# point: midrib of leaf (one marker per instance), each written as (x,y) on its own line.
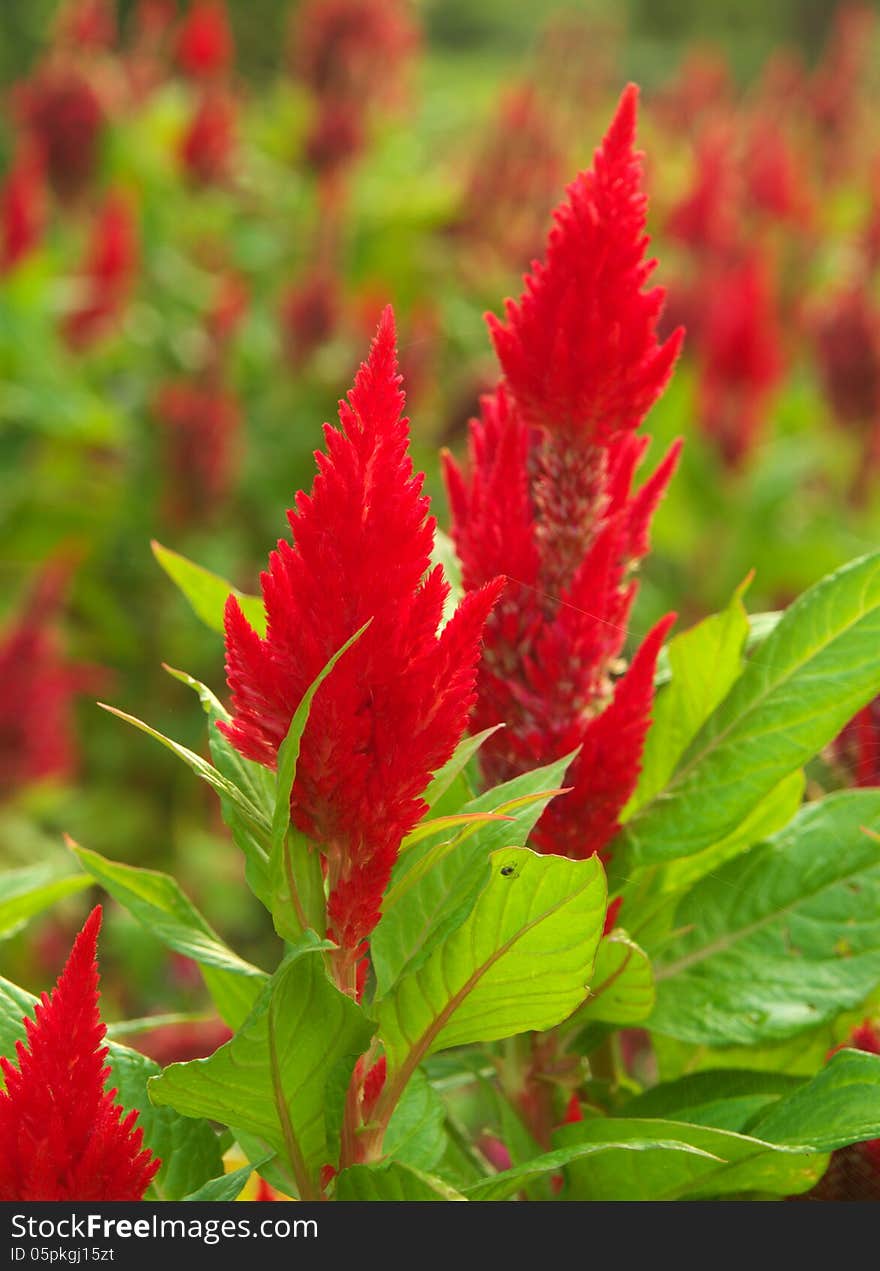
(719,738)
(727,1166)
(727,941)
(422,1045)
(291,1143)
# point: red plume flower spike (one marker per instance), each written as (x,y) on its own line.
(64,1137)
(108,274)
(204,43)
(549,501)
(22,208)
(397,703)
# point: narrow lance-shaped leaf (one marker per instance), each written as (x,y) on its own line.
(206,592)
(28,891)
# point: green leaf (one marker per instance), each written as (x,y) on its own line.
(743,1165)
(189,1150)
(445,776)
(725,1098)
(159,905)
(841,1105)
(521,960)
(506,1184)
(29,891)
(207,593)
(781,939)
(255,782)
(812,673)
(436,884)
(623,983)
(392,1181)
(294,864)
(703,664)
(270,1078)
(416,1135)
(226,1187)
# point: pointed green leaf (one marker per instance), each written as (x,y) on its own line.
(207,593)
(623,984)
(159,905)
(703,664)
(812,673)
(841,1105)
(445,776)
(742,1165)
(227,1186)
(521,960)
(270,1078)
(725,1098)
(28,891)
(781,939)
(416,1133)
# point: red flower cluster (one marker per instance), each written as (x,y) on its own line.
(108,273)
(847,331)
(856,749)
(63,117)
(82,24)
(208,142)
(22,208)
(63,1136)
(201,421)
(309,315)
(396,705)
(204,42)
(350,55)
(549,502)
(39,687)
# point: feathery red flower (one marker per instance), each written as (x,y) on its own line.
(208,143)
(396,705)
(64,118)
(309,315)
(108,273)
(856,748)
(64,1137)
(740,356)
(201,423)
(549,502)
(22,208)
(204,43)
(37,739)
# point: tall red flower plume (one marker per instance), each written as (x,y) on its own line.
(549,502)
(309,315)
(86,24)
(22,208)
(64,1137)
(108,273)
(579,350)
(64,118)
(740,356)
(204,43)
(201,423)
(208,143)
(395,706)
(37,739)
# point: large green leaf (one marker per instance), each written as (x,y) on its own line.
(392,1181)
(28,891)
(521,960)
(207,592)
(725,1098)
(742,1165)
(159,905)
(270,1079)
(507,1183)
(416,1133)
(703,664)
(436,883)
(811,674)
(840,1105)
(189,1150)
(781,939)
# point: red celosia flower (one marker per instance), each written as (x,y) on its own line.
(706,218)
(208,143)
(229,308)
(178,1043)
(22,208)
(702,85)
(107,275)
(204,43)
(774,178)
(335,137)
(63,1136)
(65,119)
(740,356)
(856,749)
(37,739)
(395,706)
(847,332)
(84,24)
(549,502)
(201,423)
(309,315)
